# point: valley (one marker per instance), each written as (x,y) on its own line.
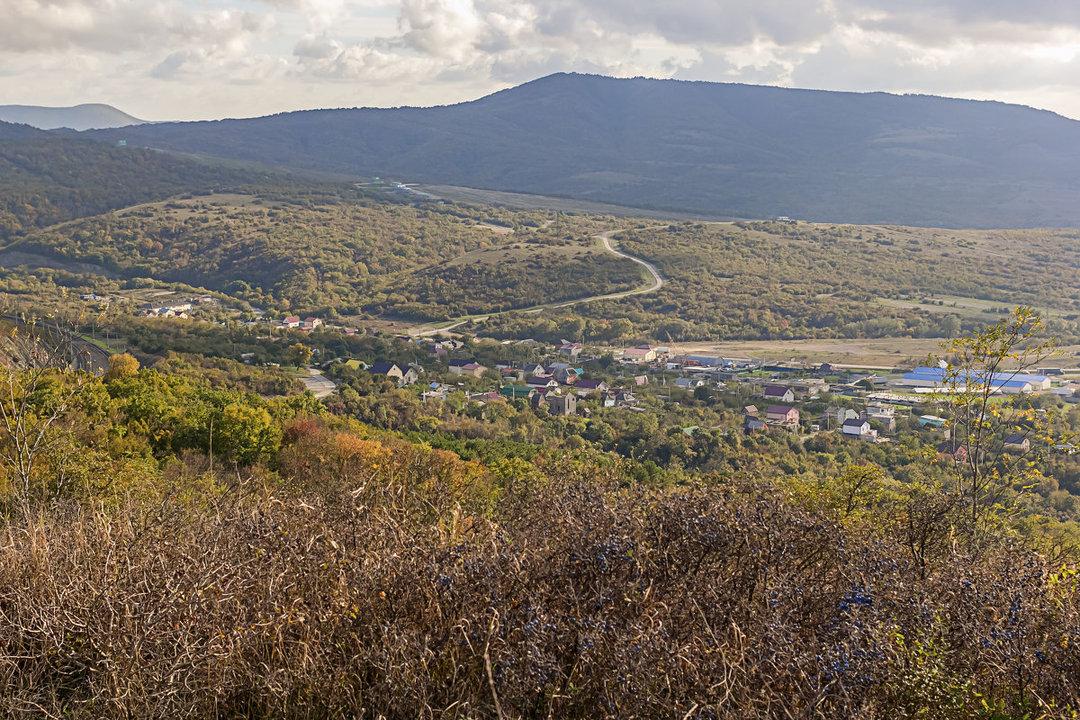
(329,438)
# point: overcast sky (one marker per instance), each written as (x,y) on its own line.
(187,59)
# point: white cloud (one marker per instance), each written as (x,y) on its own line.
(190,58)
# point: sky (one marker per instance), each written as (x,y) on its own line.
(203,59)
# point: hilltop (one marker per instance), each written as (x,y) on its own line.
(77,117)
(721,149)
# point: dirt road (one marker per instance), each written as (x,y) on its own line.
(656,281)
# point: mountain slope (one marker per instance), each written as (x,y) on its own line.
(45,178)
(737,150)
(78,117)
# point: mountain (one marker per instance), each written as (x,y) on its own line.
(46,178)
(78,117)
(722,149)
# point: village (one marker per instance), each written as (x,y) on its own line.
(800,400)
(570,379)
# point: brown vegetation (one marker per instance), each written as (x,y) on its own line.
(362,592)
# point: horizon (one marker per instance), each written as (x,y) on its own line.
(98,103)
(211,59)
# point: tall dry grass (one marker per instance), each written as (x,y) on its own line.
(570,598)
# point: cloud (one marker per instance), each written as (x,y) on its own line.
(945,21)
(116,26)
(216,57)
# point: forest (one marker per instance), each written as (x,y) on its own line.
(46,179)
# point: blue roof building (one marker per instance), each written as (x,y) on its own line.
(1005,382)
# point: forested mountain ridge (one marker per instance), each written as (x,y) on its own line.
(47,178)
(734,150)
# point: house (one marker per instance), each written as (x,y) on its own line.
(589,387)
(778,393)
(641,380)
(512,374)
(436,391)
(931,421)
(541,381)
(752,422)
(571,349)
(689,383)
(310,323)
(782,415)
(858,428)
(884,415)
(516,392)
(639,355)
(567,375)
(531,369)
(1016,443)
(562,404)
(392,371)
(839,415)
(809,388)
(468,368)
(291,321)
(386,369)
(705,361)
(957,453)
(618,398)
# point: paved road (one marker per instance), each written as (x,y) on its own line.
(319,385)
(656,282)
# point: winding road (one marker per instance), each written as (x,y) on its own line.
(656,282)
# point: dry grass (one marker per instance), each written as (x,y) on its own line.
(388,589)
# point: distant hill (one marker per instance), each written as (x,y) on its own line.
(45,178)
(736,150)
(78,117)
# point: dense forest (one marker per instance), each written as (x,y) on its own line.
(46,179)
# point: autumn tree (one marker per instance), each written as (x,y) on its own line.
(299,354)
(122,365)
(36,397)
(981,365)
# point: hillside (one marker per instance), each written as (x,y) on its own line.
(46,179)
(429,262)
(721,149)
(77,117)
